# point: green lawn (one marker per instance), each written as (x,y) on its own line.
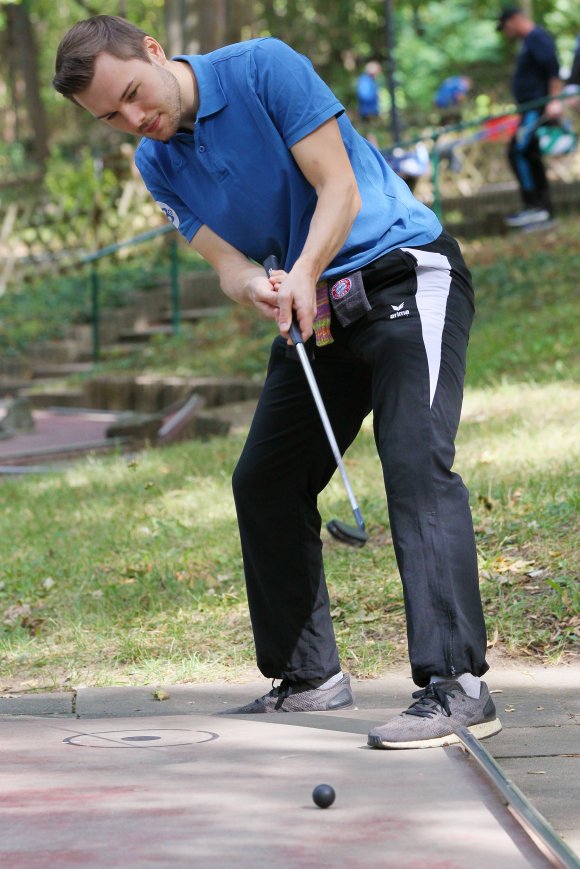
(120,571)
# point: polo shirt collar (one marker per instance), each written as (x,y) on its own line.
(211,96)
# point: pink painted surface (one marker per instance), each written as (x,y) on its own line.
(207,791)
(57,431)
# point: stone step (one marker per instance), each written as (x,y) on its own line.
(54,398)
(151,393)
(12,386)
(194,315)
(108,352)
(62,369)
(144,334)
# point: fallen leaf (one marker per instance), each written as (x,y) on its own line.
(491,643)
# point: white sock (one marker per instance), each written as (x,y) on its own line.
(330,682)
(470,684)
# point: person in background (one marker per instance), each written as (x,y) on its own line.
(536,76)
(572,85)
(574,77)
(368,104)
(449,97)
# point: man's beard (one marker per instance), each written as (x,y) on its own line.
(171,102)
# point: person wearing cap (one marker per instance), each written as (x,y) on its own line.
(535,77)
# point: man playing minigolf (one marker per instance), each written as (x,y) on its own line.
(250,154)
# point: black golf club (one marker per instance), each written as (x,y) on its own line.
(340,530)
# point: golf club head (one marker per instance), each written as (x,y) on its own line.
(347,533)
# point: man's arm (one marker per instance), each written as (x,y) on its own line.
(554,108)
(323,160)
(240,279)
(544,51)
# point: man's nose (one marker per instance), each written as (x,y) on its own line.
(134,115)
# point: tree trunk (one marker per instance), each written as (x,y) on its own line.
(199,26)
(23,50)
(212,24)
(239,21)
(182,27)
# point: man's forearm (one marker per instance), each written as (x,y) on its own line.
(235,280)
(336,210)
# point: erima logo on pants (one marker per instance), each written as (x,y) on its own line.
(398,312)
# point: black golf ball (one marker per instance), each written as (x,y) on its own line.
(323,796)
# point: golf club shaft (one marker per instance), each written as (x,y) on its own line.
(269,264)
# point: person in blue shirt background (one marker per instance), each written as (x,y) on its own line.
(249,153)
(367,91)
(449,97)
(536,75)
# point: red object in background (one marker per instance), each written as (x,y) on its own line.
(500,129)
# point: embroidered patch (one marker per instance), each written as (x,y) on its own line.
(169,213)
(341,288)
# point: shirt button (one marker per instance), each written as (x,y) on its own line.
(201,149)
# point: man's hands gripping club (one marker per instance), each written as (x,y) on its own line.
(243,281)
(290,304)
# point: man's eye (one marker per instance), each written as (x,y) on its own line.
(133,93)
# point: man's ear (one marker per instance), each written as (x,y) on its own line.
(154,50)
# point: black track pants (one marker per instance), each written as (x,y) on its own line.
(405,361)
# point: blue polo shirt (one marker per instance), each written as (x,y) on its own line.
(236,173)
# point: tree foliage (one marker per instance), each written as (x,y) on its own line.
(432,40)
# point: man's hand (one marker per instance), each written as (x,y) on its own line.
(263,294)
(295,295)
(240,278)
(553,110)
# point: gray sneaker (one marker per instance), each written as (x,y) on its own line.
(299,697)
(528,217)
(429,721)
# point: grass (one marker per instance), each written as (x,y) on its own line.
(119,571)
(527,306)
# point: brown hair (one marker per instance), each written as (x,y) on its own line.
(79,48)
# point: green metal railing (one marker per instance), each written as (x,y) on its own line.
(465,125)
(93,259)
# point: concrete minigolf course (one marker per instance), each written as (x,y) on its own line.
(113,777)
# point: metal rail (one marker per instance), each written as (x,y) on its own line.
(535,825)
(93,258)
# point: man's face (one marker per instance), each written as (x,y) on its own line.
(134,96)
(511,28)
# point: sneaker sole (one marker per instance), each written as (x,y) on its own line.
(481,731)
(346,705)
(522,224)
